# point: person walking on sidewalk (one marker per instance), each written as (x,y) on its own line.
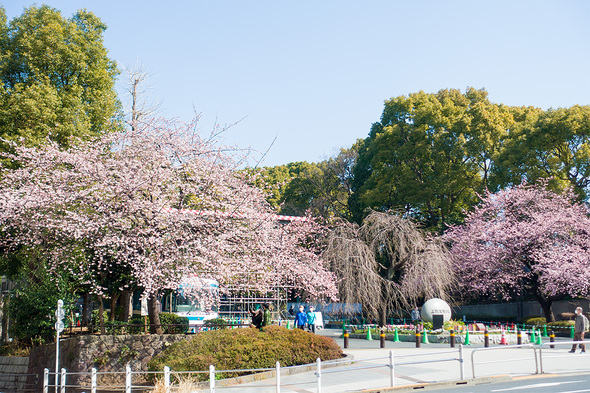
(301,318)
(580,327)
(311,319)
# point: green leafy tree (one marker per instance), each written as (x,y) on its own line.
(429,155)
(57,79)
(553,144)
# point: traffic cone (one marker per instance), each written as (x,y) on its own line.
(369,338)
(572,332)
(288,325)
(533,337)
(503,339)
(545,331)
(343,327)
(425,337)
(396,336)
(467,338)
(539,341)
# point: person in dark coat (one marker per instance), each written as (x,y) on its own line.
(580,327)
(256,317)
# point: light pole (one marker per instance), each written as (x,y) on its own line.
(59,327)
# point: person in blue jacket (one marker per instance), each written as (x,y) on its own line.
(301,318)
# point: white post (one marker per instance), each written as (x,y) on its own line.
(63,380)
(127,378)
(319,374)
(391,369)
(278,371)
(167,378)
(59,314)
(45,380)
(93,380)
(211,379)
(461,363)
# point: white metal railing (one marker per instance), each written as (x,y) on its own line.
(320,369)
(486,349)
(552,345)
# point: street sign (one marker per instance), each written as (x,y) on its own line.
(59,326)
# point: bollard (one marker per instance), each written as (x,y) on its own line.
(452,340)
(345,339)
(382,337)
(552,339)
(486,338)
(519,337)
(417,337)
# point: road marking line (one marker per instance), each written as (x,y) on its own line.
(539,385)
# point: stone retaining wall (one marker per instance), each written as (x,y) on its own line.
(105,353)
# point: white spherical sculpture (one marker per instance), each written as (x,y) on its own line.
(435,306)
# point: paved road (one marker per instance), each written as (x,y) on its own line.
(534,384)
(370,373)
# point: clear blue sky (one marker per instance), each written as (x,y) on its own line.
(314,74)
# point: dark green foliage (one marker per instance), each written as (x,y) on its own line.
(232,349)
(534,321)
(32,310)
(171,323)
(217,323)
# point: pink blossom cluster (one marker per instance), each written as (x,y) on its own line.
(524,239)
(111,210)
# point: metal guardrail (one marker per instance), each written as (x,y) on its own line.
(552,345)
(473,363)
(320,369)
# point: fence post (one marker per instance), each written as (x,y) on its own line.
(63,380)
(461,363)
(319,375)
(127,378)
(211,379)
(278,371)
(45,380)
(452,338)
(167,378)
(93,380)
(486,338)
(391,369)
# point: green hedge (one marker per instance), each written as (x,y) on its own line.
(245,348)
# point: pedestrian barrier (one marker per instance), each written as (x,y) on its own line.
(476,350)
(320,368)
(551,345)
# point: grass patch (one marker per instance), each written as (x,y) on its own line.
(246,348)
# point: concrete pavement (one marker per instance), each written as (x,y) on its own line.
(440,367)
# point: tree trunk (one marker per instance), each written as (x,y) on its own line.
(101,315)
(5,322)
(125,306)
(546,306)
(113,303)
(154,314)
(85,310)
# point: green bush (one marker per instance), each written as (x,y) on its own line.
(534,320)
(216,323)
(181,323)
(245,348)
(561,324)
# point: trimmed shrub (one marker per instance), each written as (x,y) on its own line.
(534,320)
(566,316)
(561,324)
(245,348)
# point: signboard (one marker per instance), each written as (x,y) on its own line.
(144,308)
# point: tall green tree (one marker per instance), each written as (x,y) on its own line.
(56,77)
(429,155)
(552,144)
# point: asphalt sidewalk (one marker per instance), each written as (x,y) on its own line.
(440,366)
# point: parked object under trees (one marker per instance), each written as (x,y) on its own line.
(524,240)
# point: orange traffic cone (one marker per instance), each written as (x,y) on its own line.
(503,338)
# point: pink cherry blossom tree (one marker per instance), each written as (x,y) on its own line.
(114,210)
(524,240)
